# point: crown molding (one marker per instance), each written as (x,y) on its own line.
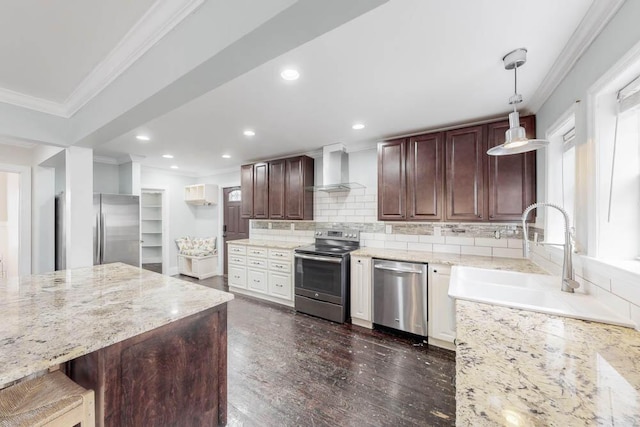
(596,18)
(42,105)
(160,19)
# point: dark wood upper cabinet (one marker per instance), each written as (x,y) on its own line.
(512,178)
(299,174)
(425,168)
(465,156)
(276,189)
(246,186)
(392,180)
(448,176)
(261,190)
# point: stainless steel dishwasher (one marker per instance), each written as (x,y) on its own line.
(400,295)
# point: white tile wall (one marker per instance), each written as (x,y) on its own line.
(475,250)
(494,243)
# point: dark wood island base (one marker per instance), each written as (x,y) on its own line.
(175,375)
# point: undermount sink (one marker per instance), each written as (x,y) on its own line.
(531,292)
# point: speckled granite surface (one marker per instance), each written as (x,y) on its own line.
(272,244)
(512,264)
(519,368)
(52,318)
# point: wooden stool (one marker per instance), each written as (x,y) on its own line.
(52,400)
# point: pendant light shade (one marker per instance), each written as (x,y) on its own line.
(516,140)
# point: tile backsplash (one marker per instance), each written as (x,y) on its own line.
(358,209)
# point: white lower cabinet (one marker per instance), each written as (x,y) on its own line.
(361,287)
(280,285)
(263,272)
(257,280)
(237,276)
(442,308)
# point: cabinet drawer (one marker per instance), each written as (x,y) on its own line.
(255,251)
(280,285)
(237,276)
(237,250)
(279,254)
(237,259)
(283,266)
(257,281)
(256,263)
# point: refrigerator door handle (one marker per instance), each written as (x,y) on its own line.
(103,240)
(98,241)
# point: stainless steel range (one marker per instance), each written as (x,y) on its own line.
(322,274)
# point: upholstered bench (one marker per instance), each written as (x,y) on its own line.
(197,257)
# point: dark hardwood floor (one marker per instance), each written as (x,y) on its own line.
(290,369)
(157,267)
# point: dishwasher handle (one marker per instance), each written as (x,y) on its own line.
(397,270)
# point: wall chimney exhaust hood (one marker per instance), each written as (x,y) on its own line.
(335,170)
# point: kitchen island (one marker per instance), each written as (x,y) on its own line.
(153,348)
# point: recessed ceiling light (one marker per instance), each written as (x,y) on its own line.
(249,132)
(167,156)
(174,167)
(226,156)
(290,74)
(358,126)
(143,138)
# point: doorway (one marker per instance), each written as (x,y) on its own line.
(9,224)
(234,226)
(153,223)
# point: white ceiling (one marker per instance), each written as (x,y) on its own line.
(49,47)
(403,67)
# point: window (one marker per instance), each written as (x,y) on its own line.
(561,176)
(235,196)
(619,173)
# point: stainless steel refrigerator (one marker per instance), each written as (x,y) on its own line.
(116,230)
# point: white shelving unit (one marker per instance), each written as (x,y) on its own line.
(201,194)
(151,227)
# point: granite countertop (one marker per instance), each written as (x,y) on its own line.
(52,318)
(273,244)
(511,264)
(520,368)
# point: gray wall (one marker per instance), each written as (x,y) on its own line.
(105,178)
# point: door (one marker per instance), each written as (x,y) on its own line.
(425,176)
(246,182)
(464,163)
(234,227)
(442,323)
(120,229)
(277,195)
(299,176)
(261,190)
(512,179)
(361,288)
(392,180)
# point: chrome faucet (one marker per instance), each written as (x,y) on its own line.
(568,279)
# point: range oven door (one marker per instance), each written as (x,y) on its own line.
(321,277)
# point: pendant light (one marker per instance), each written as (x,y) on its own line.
(516,140)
